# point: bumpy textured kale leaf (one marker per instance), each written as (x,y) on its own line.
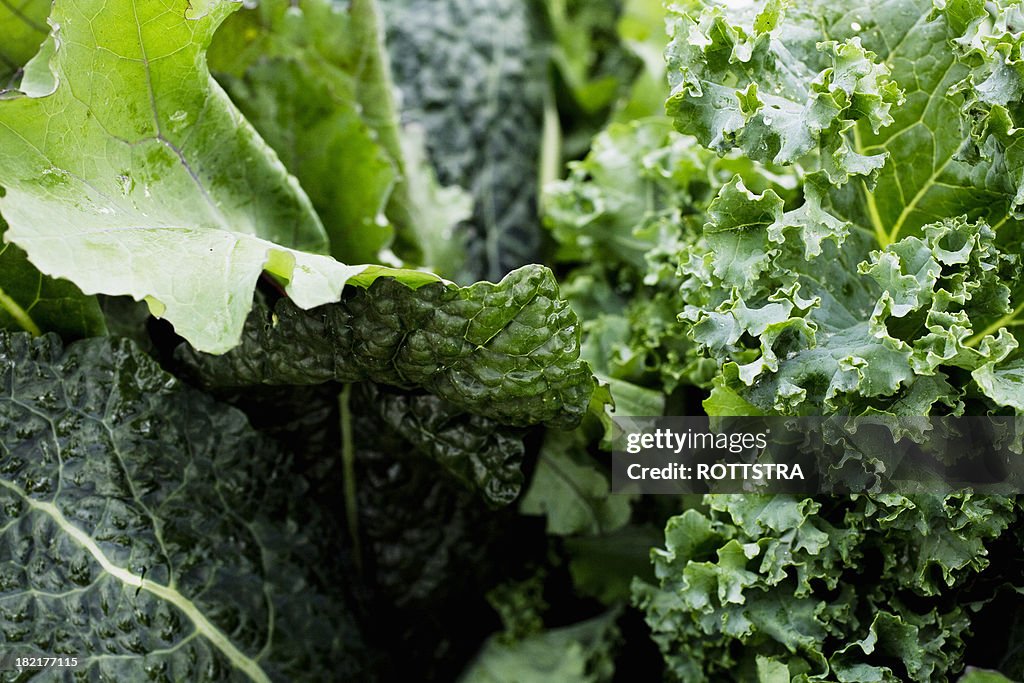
(151,532)
(430,552)
(480,453)
(472,73)
(506,351)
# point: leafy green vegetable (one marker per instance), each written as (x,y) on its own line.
(476,451)
(151,531)
(508,351)
(574,654)
(571,492)
(168,193)
(471,73)
(834,324)
(754,571)
(295,69)
(979,676)
(32,302)
(24,31)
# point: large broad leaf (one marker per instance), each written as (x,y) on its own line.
(151,532)
(24,27)
(309,77)
(571,491)
(35,303)
(129,171)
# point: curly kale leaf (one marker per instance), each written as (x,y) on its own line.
(900,295)
(150,531)
(778,83)
(506,351)
(624,214)
(854,590)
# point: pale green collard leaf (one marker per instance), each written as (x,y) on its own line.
(24,30)
(168,194)
(296,72)
(763,78)
(581,653)
(571,491)
(149,529)
(35,303)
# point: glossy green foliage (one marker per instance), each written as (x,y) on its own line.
(507,351)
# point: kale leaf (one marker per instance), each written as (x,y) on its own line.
(506,351)
(151,531)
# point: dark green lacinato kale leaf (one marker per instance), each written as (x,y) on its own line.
(480,453)
(472,73)
(430,553)
(506,351)
(150,531)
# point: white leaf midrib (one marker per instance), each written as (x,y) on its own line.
(203,625)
